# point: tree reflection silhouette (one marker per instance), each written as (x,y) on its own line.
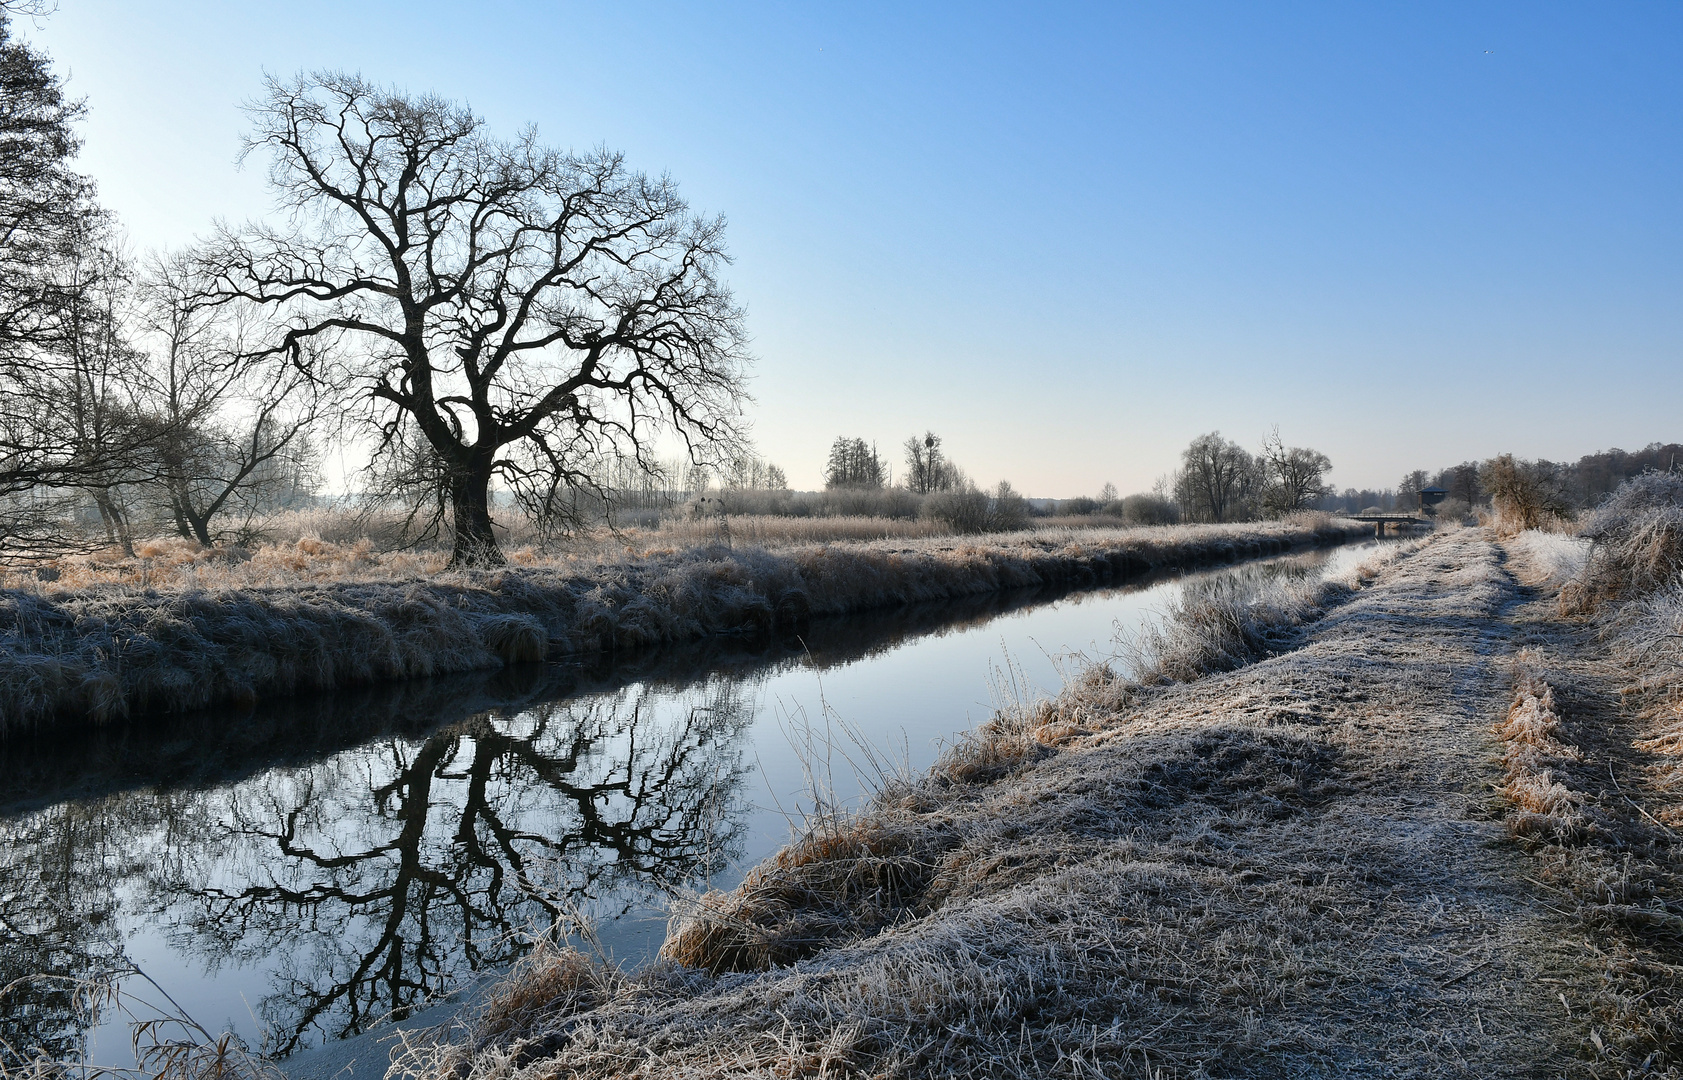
(373,880)
(57,928)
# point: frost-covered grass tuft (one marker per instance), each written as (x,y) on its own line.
(1636,543)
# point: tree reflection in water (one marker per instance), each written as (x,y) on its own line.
(374,880)
(58,928)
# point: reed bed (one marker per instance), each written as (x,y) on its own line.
(1590,754)
(1636,541)
(1632,588)
(210,630)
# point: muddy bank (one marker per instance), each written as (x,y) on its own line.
(1304,867)
(72,658)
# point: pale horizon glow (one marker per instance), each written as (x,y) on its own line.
(1068,239)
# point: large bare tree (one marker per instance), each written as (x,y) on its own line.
(518,310)
(1216,479)
(1296,475)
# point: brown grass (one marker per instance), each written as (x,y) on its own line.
(201,631)
(1590,805)
(1532,752)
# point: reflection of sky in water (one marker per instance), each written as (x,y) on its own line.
(305,899)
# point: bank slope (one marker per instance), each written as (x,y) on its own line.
(98,654)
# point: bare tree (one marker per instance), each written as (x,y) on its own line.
(1296,475)
(1409,489)
(232,420)
(59,425)
(1216,480)
(853,464)
(927,469)
(525,311)
(1462,482)
(748,470)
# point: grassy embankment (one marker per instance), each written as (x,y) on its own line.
(1349,830)
(196,629)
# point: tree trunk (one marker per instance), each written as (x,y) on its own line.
(116,526)
(470,511)
(200,526)
(177,506)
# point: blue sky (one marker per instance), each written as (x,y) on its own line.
(1066,238)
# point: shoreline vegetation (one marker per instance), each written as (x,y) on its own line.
(1419,785)
(203,630)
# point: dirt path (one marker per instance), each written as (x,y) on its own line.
(1297,869)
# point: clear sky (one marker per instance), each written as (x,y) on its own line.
(1067,238)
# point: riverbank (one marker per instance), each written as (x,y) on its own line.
(75,656)
(1346,858)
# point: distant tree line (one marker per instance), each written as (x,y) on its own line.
(1560,488)
(930,485)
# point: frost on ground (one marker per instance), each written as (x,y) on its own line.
(207,636)
(1298,868)
(1549,559)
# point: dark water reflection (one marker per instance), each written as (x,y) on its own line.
(302,871)
(374,879)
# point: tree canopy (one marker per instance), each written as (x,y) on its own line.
(504,308)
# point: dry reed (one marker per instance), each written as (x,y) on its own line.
(1636,543)
(1532,754)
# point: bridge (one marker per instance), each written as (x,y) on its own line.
(1379,521)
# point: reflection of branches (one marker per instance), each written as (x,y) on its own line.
(57,934)
(380,875)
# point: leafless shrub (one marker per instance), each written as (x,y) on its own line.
(964,508)
(1522,496)
(1148,509)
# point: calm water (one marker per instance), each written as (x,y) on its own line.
(334,860)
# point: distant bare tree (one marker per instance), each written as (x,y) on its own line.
(1409,489)
(853,464)
(1461,481)
(112,444)
(1216,479)
(749,471)
(1296,475)
(927,469)
(525,311)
